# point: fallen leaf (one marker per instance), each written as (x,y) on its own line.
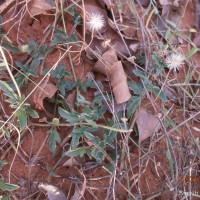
(53,192)
(171,94)
(38,7)
(176,3)
(44,90)
(70,100)
(170,17)
(121,47)
(96,49)
(78,194)
(67,161)
(119,83)
(105,62)
(144,2)
(147,124)
(109,65)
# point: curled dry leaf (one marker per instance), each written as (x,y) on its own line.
(170,15)
(147,124)
(104,63)
(176,3)
(109,65)
(96,48)
(116,42)
(78,194)
(119,83)
(67,161)
(53,192)
(144,2)
(44,90)
(38,7)
(196,39)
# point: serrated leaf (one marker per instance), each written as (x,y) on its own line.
(32,112)
(22,117)
(8,91)
(162,96)
(136,88)
(78,152)
(76,134)
(7,186)
(133,103)
(53,139)
(91,137)
(35,63)
(70,9)
(140,73)
(70,117)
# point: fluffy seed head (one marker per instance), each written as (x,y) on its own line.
(174,61)
(96,21)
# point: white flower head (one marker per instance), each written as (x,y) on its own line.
(174,61)
(96,21)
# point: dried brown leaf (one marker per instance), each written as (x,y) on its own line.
(176,3)
(119,83)
(78,194)
(116,43)
(96,48)
(144,2)
(70,100)
(38,7)
(109,65)
(196,39)
(44,90)
(173,14)
(53,192)
(147,124)
(107,60)
(71,161)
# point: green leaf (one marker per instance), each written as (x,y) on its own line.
(53,139)
(76,134)
(133,103)
(32,112)
(70,9)
(97,154)
(70,117)
(22,117)
(7,186)
(169,157)
(5,197)
(136,88)
(35,63)
(162,96)
(9,92)
(79,151)
(2,163)
(192,52)
(140,73)
(10,47)
(91,137)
